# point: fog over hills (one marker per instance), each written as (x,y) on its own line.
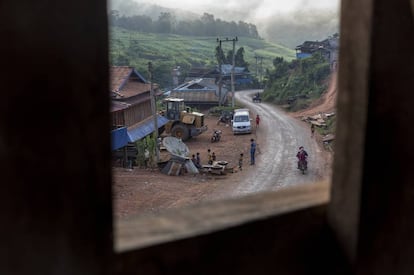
(286,22)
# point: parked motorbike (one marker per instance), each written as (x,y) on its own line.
(225,117)
(216,136)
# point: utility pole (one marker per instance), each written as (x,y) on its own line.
(257,69)
(259,77)
(232,70)
(261,69)
(154,113)
(220,83)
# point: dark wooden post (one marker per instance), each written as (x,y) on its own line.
(55,138)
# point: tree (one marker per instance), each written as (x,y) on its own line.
(141,23)
(253,31)
(239,59)
(165,23)
(221,58)
(206,25)
(209,24)
(229,58)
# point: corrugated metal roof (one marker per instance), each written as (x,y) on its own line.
(196,96)
(126,82)
(226,69)
(119,138)
(120,74)
(197,84)
(144,128)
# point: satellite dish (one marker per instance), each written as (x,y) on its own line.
(179,152)
(176,146)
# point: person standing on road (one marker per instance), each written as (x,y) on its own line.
(252,151)
(257,120)
(198,160)
(312,130)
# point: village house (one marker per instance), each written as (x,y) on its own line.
(328,48)
(201,86)
(241,74)
(200,92)
(131,114)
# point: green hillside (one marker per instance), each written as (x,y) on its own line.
(297,83)
(167,51)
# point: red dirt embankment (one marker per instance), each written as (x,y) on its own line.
(326,104)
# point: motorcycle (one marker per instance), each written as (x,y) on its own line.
(303,166)
(225,117)
(216,136)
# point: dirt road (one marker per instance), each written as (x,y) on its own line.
(146,191)
(279,137)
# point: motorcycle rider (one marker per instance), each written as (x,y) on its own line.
(302,155)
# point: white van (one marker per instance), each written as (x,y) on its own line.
(241,122)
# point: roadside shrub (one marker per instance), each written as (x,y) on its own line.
(217,110)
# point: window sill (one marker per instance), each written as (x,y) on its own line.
(143,231)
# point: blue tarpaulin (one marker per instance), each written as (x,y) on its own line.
(303,55)
(119,138)
(243,81)
(145,128)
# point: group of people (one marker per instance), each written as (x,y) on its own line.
(252,155)
(301,154)
(197,160)
(253,146)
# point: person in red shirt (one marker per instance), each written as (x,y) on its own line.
(257,120)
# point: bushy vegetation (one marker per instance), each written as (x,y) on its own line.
(167,51)
(218,110)
(146,154)
(297,83)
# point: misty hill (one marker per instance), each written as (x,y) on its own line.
(206,25)
(166,51)
(293,29)
(289,29)
(131,8)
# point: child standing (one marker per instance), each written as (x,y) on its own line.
(257,121)
(198,160)
(210,158)
(312,130)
